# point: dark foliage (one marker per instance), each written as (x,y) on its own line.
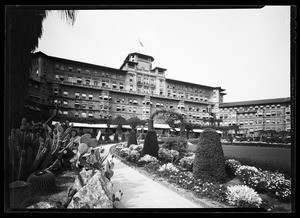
(151,144)
(209,163)
(131,138)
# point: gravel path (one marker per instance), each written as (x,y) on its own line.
(142,192)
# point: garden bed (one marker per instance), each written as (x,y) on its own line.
(209,194)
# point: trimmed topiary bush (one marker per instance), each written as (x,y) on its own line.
(151,144)
(116,138)
(209,162)
(131,139)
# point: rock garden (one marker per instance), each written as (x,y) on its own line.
(51,168)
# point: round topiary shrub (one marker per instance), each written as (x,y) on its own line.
(151,144)
(131,139)
(209,162)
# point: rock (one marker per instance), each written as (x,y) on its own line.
(86,175)
(41,205)
(93,194)
(20,191)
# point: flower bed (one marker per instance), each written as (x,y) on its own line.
(255,181)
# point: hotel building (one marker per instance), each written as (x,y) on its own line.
(135,89)
(251,116)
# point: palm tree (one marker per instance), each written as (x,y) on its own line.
(23,29)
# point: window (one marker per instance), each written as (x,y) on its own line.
(76,95)
(56,66)
(70,69)
(91,106)
(78,70)
(121,86)
(65,112)
(62,67)
(65,93)
(114,84)
(56,76)
(76,114)
(83,105)
(91,114)
(66,103)
(95,83)
(83,114)
(83,95)
(78,79)
(70,78)
(61,77)
(90,96)
(87,81)
(55,91)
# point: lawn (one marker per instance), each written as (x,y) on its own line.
(270,158)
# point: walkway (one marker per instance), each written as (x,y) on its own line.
(142,192)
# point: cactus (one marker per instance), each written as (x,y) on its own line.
(42,182)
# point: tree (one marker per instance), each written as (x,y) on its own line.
(119,121)
(134,122)
(23,29)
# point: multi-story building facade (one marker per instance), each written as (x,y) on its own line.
(135,89)
(252,116)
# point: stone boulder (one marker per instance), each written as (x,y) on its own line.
(97,193)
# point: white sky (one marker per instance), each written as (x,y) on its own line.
(245,51)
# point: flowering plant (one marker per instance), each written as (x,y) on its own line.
(276,184)
(243,196)
(249,175)
(231,165)
(187,162)
(168,167)
(148,158)
(167,154)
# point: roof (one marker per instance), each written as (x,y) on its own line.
(188,83)
(255,102)
(141,55)
(159,68)
(78,62)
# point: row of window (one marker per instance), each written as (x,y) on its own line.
(79,70)
(252,107)
(104,82)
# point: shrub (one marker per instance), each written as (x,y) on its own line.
(276,184)
(187,162)
(150,144)
(209,163)
(134,156)
(231,166)
(167,155)
(131,139)
(143,136)
(116,139)
(243,196)
(249,175)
